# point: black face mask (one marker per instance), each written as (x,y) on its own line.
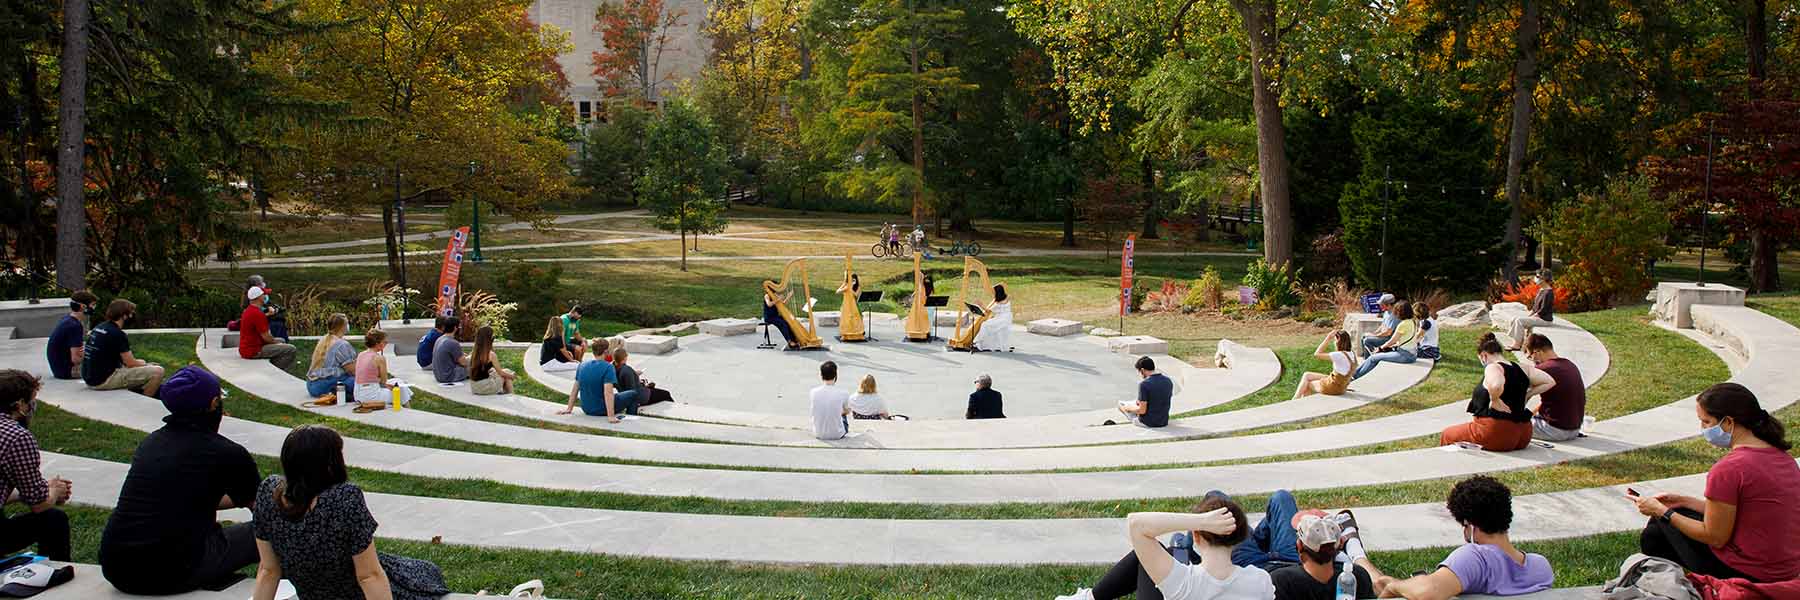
(25,419)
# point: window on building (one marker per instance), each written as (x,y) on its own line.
(586,110)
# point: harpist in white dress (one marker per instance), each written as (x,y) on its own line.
(996,333)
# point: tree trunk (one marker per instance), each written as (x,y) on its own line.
(1764,274)
(1068,240)
(1271,136)
(71,172)
(1151,196)
(684,247)
(1756,38)
(393,247)
(1525,78)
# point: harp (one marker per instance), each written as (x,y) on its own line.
(918,325)
(805,337)
(850,324)
(964,338)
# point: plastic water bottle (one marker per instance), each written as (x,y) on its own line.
(342,396)
(1346,583)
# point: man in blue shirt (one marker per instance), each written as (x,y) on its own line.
(595,389)
(429,342)
(1389,321)
(64,349)
(1154,394)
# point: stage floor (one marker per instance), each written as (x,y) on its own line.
(1043,376)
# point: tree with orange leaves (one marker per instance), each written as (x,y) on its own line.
(635,34)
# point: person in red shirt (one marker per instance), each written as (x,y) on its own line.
(1746,525)
(1564,408)
(254,339)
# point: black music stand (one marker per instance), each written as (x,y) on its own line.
(934,303)
(766,344)
(867,298)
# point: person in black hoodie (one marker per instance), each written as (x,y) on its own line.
(164,536)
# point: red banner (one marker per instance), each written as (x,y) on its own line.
(452,269)
(1125,275)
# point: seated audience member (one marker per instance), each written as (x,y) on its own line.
(866,404)
(1487,563)
(448,363)
(333,361)
(107,362)
(984,402)
(1543,311)
(1335,348)
(1153,572)
(1564,407)
(571,332)
(1153,396)
(1747,525)
(22,481)
(486,377)
(63,351)
(1502,423)
(1428,331)
(830,405)
(164,536)
(1315,577)
(429,343)
(1401,348)
(1389,321)
(552,355)
(374,386)
(314,529)
(277,319)
(632,380)
(1275,541)
(254,339)
(596,390)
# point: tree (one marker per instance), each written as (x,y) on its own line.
(1525,80)
(684,173)
(613,156)
(1606,237)
(71,155)
(1111,207)
(634,35)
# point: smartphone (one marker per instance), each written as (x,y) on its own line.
(1468,445)
(1631,492)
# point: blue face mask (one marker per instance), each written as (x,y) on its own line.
(1716,436)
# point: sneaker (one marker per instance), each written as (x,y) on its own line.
(1080,594)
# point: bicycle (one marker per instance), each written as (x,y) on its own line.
(879,250)
(963,248)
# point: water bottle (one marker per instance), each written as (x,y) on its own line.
(1346,583)
(342,394)
(396,397)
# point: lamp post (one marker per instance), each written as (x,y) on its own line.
(1706,205)
(400,214)
(475,211)
(1387,175)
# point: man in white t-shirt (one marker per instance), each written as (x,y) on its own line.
(830,406)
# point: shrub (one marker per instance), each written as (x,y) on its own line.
(1139,292)
(1168,299)
(1606,237)
(1207,292)
(190,307)
(1326,258)
(1274,285)
(1526,293)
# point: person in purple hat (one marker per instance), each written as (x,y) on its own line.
(164,536)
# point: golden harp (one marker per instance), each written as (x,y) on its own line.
(850,323)
(804,337)
(964,338)
(918,324)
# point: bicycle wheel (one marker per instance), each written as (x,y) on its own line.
(879,250)
(973,248)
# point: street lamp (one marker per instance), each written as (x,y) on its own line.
(475,211)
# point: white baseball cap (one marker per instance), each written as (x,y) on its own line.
(254,293)
(31,579)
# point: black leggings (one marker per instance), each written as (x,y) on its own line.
(1662,540)
(48,529)
(1125,578)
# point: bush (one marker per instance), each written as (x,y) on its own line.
(1606,238)
(1326,258)
(532,288)
(1525,294)
(191,307)
(1168,299)
(1207,292)
(1274,285)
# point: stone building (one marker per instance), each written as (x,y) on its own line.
(681,59)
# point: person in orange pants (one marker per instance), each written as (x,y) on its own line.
(1501,423)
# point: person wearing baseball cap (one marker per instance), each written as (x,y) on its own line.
(255,340)
(985,403)
(163,536)
(1389,320)
(1319,539)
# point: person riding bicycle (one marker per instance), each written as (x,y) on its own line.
(891,234)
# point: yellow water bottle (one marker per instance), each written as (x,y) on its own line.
(396,391)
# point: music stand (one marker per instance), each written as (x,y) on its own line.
(868,298)
(934,303)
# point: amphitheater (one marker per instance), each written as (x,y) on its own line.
(714,447)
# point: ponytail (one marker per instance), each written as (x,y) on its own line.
(1737,402)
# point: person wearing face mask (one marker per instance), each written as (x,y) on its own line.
(64,349)
(22,481)
(107,362)
(164,536)
(1487,563)
(1747,524)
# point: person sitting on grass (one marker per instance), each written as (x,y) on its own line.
(1487,563)
(486,377)
(333,361)
(866,404)
(107,362)
(1501,421)
(374,386)
(596,390)
(63,351)
(1155,392)
(255,341)
(1335,348)
(1153,572)
(830,405)
(22,479)
(553,355)
(1389,321)
(164,536)
(313,528)
(1401,348)
(1564,407)
(572,339)
(1747,522)
(429,343)
(985,402)
(448,363)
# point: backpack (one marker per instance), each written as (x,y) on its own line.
(1649,578)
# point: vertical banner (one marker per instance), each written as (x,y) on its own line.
(451,270)
(1125,275)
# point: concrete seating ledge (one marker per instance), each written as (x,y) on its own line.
(88,584)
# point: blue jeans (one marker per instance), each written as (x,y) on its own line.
(1371,342)
(320,387)
(1397,355)
(625,403)
(1274,538)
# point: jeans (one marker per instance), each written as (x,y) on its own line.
(626,402)
(320,387)
(48,529)
(1273,539)
(1397,355)
(1663,540)
(1371,342)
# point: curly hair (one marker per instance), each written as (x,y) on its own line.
(1482,501)
(1238,534)
(17,386)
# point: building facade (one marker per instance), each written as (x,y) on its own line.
(682,58)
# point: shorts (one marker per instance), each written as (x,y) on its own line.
(494,384)
(1543,430)
(129,378)
(1335,384)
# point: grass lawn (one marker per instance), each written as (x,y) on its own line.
(1785,307)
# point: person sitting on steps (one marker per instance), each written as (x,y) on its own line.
(254,338)
(448,363)
(596,391)
(1154,394)
(1563,409)
(867,405)
(1389,320)
(1154,572)
(552,355)
(107,362)
(1487,563)
(486,377)
(631,381)
(429,343)
(984,402)
(1501,421)
(830,405)
(64,348)
(1335,348)
(1400,348)
(572,339)
(1543,311)
(374,386)
(333,361)
(22,478)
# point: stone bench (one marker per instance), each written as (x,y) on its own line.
(1232,355)
(1675,301)
(827,318)
(30,320)
(1054,327)
(88,584)
(1137,345)
(404,337)
(729,327)
(947,317)
(646,345)
(7,333)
